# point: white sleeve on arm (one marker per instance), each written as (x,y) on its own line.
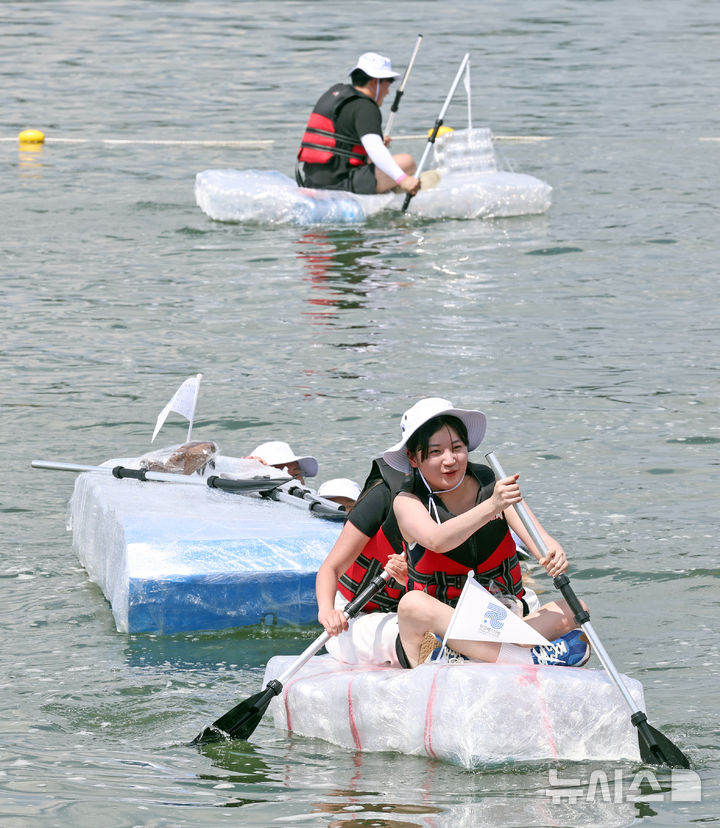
(381,157)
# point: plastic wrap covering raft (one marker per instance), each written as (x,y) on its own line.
(173,558)
(468,714)
(471,186)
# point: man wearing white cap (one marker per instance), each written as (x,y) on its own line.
(278,454)
(343,146)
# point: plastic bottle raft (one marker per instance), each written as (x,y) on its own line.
(173,558)
(468,714)
(471,186)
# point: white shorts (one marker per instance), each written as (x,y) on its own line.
(531,599)
(369,639)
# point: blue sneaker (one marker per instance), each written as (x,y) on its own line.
(570,650)
(430,652)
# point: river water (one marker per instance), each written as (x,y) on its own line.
(589,335)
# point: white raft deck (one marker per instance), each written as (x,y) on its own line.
(174,558)
(468,714)
(472,186)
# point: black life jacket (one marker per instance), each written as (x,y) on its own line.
(490,552)
(386,541)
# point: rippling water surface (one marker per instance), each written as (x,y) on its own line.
(589,335)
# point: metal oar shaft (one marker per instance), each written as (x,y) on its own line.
(351,610)
(241,721)
(437,125)
(212,481)
(654,746)
(562,582)
(398,95)
(301,498)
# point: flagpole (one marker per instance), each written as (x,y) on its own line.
(469,96)
(197,391)
(443,646)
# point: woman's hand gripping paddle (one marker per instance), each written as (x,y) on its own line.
(436,127)
(655,748)
(241,721)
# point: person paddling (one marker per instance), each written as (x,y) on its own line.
(343,147)
(456,518)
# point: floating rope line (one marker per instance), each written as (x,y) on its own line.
(149,141)
(252,144)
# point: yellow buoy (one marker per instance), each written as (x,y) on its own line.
(31,136)
(442,131)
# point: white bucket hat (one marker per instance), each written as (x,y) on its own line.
(375,65)
(475,422)
(276,452)
(340,487)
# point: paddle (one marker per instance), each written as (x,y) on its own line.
(655,748)
(436,127)
(297,495)
(253,484)
(241,721)
(398,95)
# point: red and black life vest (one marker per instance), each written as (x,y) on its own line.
(321,143)
(369,563)
(386,541)
(490,552)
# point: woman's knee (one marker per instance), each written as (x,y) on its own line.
(406,162)
(414,604)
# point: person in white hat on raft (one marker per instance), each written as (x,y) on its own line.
(278,454)
(343,147)
(340,490)
(455,518)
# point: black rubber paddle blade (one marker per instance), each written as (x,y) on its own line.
(240,722)
(657,749)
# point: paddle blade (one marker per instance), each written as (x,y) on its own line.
(657,749)
(241,721)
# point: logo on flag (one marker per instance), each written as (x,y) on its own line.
(479,616)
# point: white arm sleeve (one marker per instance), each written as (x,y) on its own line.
(380,156)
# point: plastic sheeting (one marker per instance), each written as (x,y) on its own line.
(172,557)
(471,186)
(468,714)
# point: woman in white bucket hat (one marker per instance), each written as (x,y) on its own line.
(343,147)
(456,519)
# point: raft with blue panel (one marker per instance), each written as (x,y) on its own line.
(469,184)
(178,558)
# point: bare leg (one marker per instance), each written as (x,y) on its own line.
(419,612)
(405,162)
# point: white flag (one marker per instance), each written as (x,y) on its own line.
(183,402)
(480,617)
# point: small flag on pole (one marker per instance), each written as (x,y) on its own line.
(183,402)
(480,617)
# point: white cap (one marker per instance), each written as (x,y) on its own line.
(375,65)
(276,452)
(340,487)
(424,410)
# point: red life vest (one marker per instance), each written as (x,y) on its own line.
(441,576)
(490,552)
(369,563)
(385,542)
(321,142)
